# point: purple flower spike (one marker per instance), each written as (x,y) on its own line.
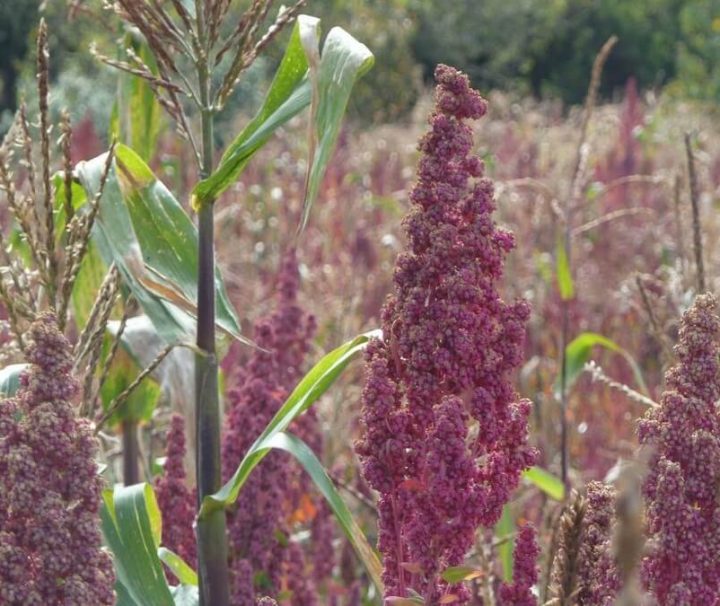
(261,521)
(175,499)
(525,571)
(50,544)
(598,581)
(443,366)
(681,489)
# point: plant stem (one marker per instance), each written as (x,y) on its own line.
(211,531)
(131,471)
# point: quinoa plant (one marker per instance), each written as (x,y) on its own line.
(449,344)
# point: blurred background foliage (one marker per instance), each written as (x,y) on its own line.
(525,47)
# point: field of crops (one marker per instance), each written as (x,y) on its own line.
(275,352)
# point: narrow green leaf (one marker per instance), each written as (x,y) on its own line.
(545,481)
(132,527)
(10,379)
(504,529)
(397,601)
(566,285)
(343,61)
(296,447)
(578,351)
(179,567)
(288,95)
(313,385)
(458,574)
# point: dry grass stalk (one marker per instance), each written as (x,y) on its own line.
(18,206)
(695,201)
(106,295)
(120,399)
(107,363)
(679,233)
(94,349)
(563,576)
(43,77)
(65,142)
(79,230)
(657,331)
(598,374)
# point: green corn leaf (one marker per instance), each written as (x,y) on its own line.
(179,567)
(144,230)
(289,94)
(313,385)
(577,353)
(565,282)
(296,447)
(342,62)
(132,527)
(10,379)
(545,481)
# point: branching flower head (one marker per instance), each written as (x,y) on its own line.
(175,498)
(525,570)
(50,544)
(265,509)
(443,366)
(683,509)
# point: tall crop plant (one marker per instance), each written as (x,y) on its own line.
(113,215)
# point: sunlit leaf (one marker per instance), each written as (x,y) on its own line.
(288,95)
(564,275)
(179,567)
(342,62)
(313,385)
(545,481)
(578,351)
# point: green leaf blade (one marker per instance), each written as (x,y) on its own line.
(310,388)
(545,481)
(344,60)
(132,527)
(296,447)
(288,95)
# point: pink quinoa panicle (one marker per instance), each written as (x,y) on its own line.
(50,541)
(683,508)
(450,345)
(175,498)
(273,492)
(525,570)
(598,581)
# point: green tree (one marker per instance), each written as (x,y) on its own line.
(17,20)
